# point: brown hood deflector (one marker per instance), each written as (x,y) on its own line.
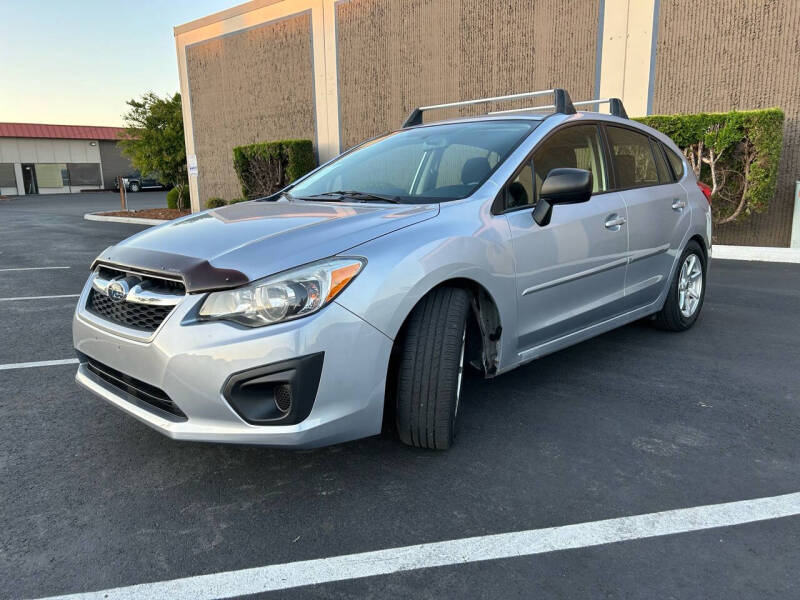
(197,274)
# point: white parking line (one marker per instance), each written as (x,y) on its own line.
(455,552)
(39,297)
(34,268)
(39,363)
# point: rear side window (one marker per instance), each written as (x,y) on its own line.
(664,174)
(633,158)
(676,162)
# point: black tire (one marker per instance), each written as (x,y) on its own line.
(670,318)
(134,186)
(430,358)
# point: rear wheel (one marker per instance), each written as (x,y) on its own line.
(686,292)
(430,369)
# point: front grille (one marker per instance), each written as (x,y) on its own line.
(130,314)
(136,388)
(136,315)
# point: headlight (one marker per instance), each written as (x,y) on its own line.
(285,296)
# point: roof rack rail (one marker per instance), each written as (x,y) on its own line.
(614,104)
(561,104)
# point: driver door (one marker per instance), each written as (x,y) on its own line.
(570,274)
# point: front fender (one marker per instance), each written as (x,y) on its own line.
(463,242)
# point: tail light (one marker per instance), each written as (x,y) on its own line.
(706,190)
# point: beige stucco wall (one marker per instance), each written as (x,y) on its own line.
(736,54)
(248,86)
(394,55)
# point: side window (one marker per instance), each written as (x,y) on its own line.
(519,191)
(676,162)
(576,147)
(664,174)
(633,158)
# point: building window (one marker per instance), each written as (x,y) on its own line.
(7,177)
(84,174)
(48,175)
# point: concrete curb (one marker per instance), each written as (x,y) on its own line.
(756,253)
(135,220)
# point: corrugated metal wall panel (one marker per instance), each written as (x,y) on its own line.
(395,55)
(251,86)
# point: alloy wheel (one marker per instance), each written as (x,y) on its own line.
(690,285)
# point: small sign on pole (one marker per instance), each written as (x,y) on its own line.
(191,162)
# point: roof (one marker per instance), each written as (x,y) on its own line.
(68,132)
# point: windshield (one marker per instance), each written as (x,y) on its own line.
(426,164)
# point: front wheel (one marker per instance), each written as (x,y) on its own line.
(134,186)
(686,292)
(430,369)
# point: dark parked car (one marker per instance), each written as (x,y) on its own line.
(135,182)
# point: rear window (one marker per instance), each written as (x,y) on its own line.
(425,164)
(633,158)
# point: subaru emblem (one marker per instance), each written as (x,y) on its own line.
(118,290)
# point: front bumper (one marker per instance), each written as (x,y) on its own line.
(191,363)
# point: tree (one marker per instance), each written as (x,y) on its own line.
(154,141)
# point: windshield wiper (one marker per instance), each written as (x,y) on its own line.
(357,196)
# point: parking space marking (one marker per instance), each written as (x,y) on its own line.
(39,297)
(39,363)
(33,268)
(455,552)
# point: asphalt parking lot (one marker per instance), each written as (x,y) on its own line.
(633,422)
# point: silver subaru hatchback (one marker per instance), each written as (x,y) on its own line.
(370,283)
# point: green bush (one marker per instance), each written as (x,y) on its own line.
(172,198)
(215,202)
(237,200)
(736,153)
(267,167)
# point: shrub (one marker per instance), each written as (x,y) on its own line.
(215,202)
(736,153)
(267,167)
(172,198)
(237,200)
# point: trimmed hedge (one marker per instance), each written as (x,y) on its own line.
(172,198)
(237,200)
(744,149)
(267,167)
(215,202)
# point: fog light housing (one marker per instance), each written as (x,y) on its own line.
(281,393)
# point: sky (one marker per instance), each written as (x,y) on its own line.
(77,62)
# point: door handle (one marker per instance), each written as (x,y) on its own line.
(614,222)
(678,204)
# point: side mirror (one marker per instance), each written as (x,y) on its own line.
(562,186)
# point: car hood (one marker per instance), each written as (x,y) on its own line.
(232,245)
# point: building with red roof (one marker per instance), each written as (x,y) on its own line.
(40,158)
